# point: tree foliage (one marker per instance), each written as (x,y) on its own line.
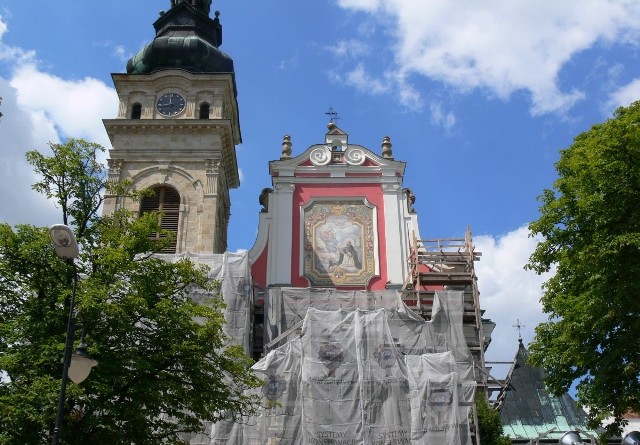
(164,363)
(590,222)
(489,423)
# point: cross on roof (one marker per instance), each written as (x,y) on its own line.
(519,326)
(333,115)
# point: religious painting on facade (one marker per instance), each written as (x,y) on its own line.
(339,242)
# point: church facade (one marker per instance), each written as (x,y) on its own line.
(335,203)
(363,331)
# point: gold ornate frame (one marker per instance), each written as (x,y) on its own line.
(339,241)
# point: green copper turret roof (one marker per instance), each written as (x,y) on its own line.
(529,411)
(186,38)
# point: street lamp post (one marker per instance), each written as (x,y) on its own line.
(66,246)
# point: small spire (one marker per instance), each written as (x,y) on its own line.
(217,29)
(286,147)
(201,5)
(333,116)
(519,326)
(386,148)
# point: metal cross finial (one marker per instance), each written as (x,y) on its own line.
(519,326)
(333,115)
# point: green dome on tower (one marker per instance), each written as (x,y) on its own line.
(186,38)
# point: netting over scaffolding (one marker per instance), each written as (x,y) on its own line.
(365,370)
(233,272)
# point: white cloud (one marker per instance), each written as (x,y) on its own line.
(624,96)
(8,53)
(367,28)
(365,5)
(76,107)
(502,47)
(614,71)
(38,108)
(364,82)
(441,118)
(508,292)
(407,94)
(349,48)
(290,63)
(21,131)
(3,27)
(118,51)
(390,82)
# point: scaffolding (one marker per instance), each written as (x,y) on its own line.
(448,264)
(441,275)
(364,369)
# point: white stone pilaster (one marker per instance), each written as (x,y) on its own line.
(395,241)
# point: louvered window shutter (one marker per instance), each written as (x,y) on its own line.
(167,201)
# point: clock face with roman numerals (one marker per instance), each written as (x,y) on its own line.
(170,104)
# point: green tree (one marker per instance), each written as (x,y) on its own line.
(164,363)
(590,222)
(489,423)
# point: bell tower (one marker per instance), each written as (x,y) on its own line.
(177,128)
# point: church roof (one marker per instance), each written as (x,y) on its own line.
(186,38)
(529,411)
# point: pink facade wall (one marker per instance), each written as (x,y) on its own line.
(259,268)
(302,195)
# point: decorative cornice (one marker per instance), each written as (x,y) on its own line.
(319,156)
(115,165)
(212,166)
(355,156)
(166,126)
(285,187)
(221,127)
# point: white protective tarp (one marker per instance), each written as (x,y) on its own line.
(285,307)
(440,400)
(233,272)
(358,376)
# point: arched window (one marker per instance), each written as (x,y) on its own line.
(136,111)
(204,111)
(167,201)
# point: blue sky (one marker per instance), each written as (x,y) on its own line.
(477,97)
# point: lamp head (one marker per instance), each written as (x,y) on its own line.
(570,438)
(633,438)
(64,241)
(81,364)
